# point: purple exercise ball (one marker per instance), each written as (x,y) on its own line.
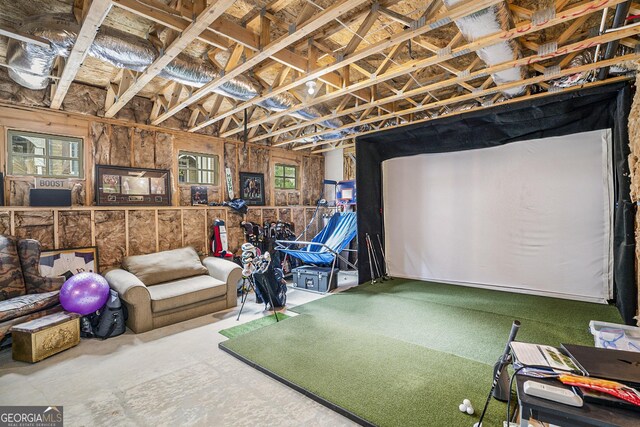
(84,293)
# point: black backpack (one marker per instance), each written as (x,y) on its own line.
(107,322)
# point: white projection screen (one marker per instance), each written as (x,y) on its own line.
(533,216)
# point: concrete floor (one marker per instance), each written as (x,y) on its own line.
(174,375)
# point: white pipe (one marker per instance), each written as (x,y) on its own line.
(624,27)
(603,22)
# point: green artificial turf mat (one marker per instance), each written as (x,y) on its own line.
(544,309)
(243,328)
(457,325)
(383,380)
(406,352)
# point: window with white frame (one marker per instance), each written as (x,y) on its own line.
(197,168)
(38,154)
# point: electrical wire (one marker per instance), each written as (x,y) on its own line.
(509,398)
(513,376)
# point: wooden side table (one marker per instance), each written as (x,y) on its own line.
(43,337)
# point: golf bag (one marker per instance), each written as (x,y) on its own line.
(271,283)
(281,231)
(254,234)
(218,240)
(269,280)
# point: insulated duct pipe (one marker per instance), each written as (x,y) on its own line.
(484,23)
(31,65)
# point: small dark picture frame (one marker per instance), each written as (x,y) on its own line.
(252,188)
(199,195)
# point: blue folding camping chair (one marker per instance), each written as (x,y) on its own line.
(326,246)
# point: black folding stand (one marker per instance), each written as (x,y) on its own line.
(244,294)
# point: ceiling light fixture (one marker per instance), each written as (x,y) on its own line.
(311,87)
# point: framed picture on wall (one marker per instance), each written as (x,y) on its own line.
(69,262)
(199,195)
(252,188)
(120,186)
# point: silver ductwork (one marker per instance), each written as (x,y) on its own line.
(587,57)
(583,58)
(486,22)
(31,65)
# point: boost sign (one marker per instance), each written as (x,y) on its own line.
(52,183)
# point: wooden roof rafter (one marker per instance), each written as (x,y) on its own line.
(456,12)
(414,65)
(12,33)
(359,18)
(199,24)
(223,34)
(274,47)
(348,147)
(491,91)
(169,17)
(561,51)
(93,14)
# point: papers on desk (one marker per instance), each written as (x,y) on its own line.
(541,361)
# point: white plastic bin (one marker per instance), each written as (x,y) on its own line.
(615,336)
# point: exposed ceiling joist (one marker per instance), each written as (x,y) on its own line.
(26,38)
(210,14)
(320,19)
(164,15)
(222,34)
(362,31)
(466,97)
(456,12)
(273,7)
(349,146)
(93,17)
(332,29)
(381,68)
(522,29)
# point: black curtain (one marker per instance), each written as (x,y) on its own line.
(563,114)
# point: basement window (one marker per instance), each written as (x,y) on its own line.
(37,154)
(196,168)
(286,177)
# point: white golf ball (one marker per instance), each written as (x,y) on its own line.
(466,402)
(470,410)
(477,425)
(462,407)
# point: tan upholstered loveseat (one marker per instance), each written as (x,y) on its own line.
(171,286)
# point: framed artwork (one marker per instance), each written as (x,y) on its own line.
(120,186)
(252,188)
(199,195)
(69,262)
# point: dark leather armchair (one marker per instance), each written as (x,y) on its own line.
(24,293)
